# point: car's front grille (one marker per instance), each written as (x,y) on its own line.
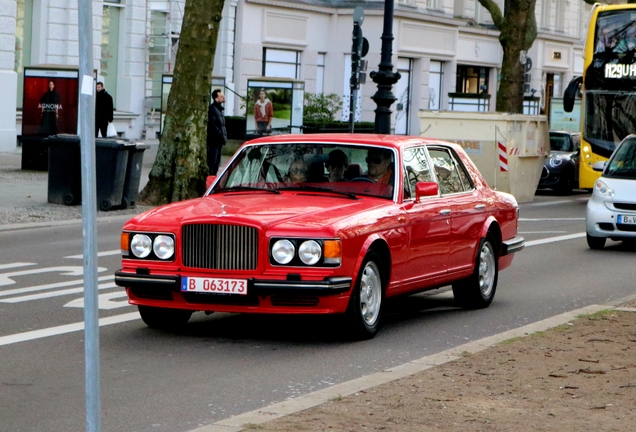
(625,206)
(220,247)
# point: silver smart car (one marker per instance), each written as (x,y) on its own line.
(611,211)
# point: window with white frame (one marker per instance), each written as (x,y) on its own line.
(158,53)
(433,4)
(320,74)
(111,14)
(23,31)
(560,15)
(435,85)
(279,63)
(546,7)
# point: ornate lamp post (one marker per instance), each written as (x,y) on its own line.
(385,77)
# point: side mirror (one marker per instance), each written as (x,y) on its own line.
(570,93)
(599,166)
(209,180)
(426,189)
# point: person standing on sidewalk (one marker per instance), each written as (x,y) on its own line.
(217,135)
(103,110)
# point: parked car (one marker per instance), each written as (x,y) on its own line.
(561,167)
(323,224)
(611,210)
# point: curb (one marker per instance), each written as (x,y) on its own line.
(28,225)
(281,409)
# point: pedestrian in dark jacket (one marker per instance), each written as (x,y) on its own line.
(217,135)
(103,110)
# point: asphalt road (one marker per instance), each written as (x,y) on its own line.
(224,364)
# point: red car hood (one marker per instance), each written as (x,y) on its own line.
(287,211)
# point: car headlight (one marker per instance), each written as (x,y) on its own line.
(309,252)
(603,190)
(141,245)
(163,247)
(556,161)
(283,251)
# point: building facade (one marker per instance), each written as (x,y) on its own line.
(447,52)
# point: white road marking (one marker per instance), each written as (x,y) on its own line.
(63,329)
(53,294)
(104,301)
(5,278)
(99,254)
(555,239)
(541,232)
(50,286)
(14,265)
(549,219)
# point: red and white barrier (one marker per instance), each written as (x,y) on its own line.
(503,157)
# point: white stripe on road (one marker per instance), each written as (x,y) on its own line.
(53,294)
(14,265)
(99,254)
(555,239)
(549,219)
(50,286)
(68,328)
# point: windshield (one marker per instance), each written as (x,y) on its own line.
(623,161)
(351,170)
(560,142)
(610,117)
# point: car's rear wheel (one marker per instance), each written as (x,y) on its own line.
(595,242)
(162,318)
(478,290)
(365,305)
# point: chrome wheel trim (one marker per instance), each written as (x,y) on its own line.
(486,270)
(370,293)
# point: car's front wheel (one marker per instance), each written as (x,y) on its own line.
(478,290)
(162,318)
(595,242)
(365,304)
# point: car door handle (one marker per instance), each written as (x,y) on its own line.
(480,206)
(445,212)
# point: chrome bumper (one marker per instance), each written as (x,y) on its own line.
(513,245)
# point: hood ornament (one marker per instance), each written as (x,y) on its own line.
(223,209)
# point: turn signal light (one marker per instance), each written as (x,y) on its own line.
(124,241)
(332,251)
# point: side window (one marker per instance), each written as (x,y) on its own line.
(451,174)
(416,169)
(576,141)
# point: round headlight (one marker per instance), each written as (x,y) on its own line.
(141,245)
(163,247)
(309,252)
(556,161)
(283,251)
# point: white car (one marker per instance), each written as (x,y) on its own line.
(611,211)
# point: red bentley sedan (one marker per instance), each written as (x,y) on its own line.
(323,224)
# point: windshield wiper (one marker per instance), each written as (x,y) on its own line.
(246,188)
(319,189)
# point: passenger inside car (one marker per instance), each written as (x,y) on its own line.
(297,170)
(337,165)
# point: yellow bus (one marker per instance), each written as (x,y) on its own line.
(608,86)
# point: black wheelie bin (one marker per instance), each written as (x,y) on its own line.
(65,172)
(133,174)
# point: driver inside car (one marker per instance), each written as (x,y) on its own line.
(379,166)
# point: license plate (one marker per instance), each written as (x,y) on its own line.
(626,220)
(214,285)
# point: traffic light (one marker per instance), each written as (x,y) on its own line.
(359,49)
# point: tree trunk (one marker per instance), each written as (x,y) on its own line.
(517,32)
(180,169)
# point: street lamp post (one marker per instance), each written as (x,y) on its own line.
(385,77)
